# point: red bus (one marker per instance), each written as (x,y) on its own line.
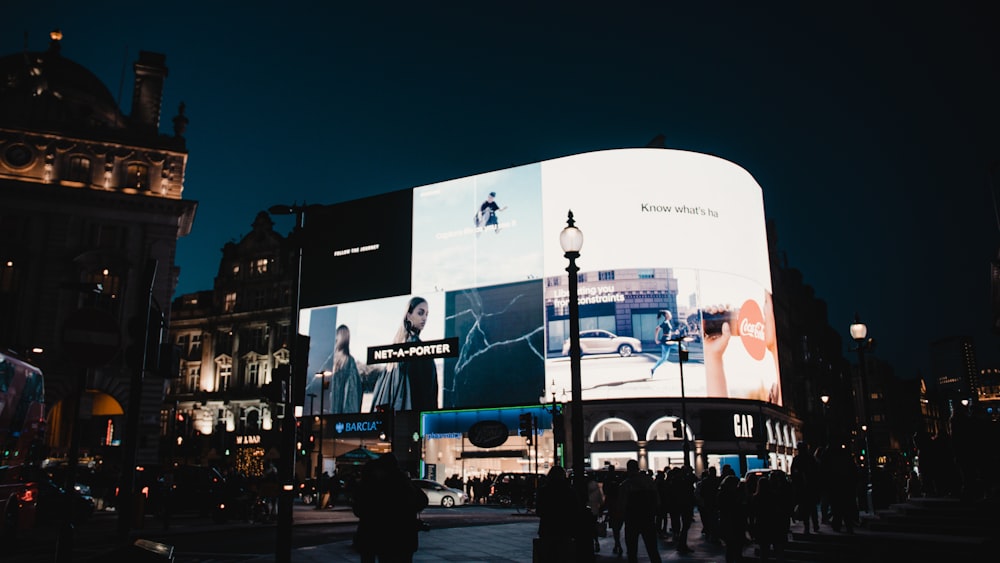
(22,410)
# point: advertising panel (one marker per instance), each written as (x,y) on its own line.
(674,258)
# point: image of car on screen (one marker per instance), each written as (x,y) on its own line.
(599,341)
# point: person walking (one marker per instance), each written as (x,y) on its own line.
(595,500)
(558,508)
(707,497)
(640,503)
(806,487)
(387,504)
(732,517)
(612,484)
(680,490)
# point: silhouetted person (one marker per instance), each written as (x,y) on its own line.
(558,508)
(807,486)
(842,484)
(386,504)
(616,517)
(768,520)
(708,491)
(680,492)
(640,503)
(732,517)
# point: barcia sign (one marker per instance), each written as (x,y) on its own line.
(357,426)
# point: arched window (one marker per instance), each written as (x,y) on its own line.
(137,176)
(613,430)
(78,169)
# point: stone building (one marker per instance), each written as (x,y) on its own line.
(91,208)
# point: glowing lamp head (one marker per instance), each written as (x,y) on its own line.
(571,238)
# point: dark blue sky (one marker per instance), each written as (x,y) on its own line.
(872,130)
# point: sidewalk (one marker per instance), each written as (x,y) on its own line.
(501,543)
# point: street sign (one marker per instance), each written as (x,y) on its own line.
(91,337)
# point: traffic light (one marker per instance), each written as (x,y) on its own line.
(525,425)
(558,428)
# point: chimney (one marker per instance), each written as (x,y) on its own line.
(150,71)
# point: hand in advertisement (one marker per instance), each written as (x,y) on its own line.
(717,331)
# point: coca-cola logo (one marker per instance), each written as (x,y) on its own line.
(488,433)
(750,323)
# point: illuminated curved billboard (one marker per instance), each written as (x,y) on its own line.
(455,294)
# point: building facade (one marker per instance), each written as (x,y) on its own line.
(91,207)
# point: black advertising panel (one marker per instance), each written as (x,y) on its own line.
(357,250)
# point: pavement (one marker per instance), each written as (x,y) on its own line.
(492,543)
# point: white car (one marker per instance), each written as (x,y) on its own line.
(599,341)
(439,495)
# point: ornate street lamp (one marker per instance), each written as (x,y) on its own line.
(681,356)
(319,458)
(571,241)
(286,465)
(825,399)
(859,333)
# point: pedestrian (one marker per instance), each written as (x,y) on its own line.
(558,508)
(768,520)
(612,484)
(680,490)
(806,487)
(707,496)
(732,517)
(640,503)
(387,505)
(595,500)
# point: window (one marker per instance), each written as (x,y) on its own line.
(260,298)
(606,275)
(137,176)
(236,270)
(225,373)
(196,345)
(193,378)
(230,305)
(78,169)
(253,374)
(646,274)
(260,266)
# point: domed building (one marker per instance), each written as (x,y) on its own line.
(91,208)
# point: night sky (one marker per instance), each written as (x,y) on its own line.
(873,130)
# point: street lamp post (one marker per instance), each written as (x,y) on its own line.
(319,446)
(286,467)
(859,333)
(681,353)
(825,399)
(571,241)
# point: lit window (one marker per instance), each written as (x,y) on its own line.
(230,304)
(137,176)
(78,169)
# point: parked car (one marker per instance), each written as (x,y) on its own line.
(600,341)
(439,495)
(185,489)
(29,498)
(514,488)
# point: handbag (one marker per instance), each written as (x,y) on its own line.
(602,526)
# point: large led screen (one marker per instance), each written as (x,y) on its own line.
(674,258)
